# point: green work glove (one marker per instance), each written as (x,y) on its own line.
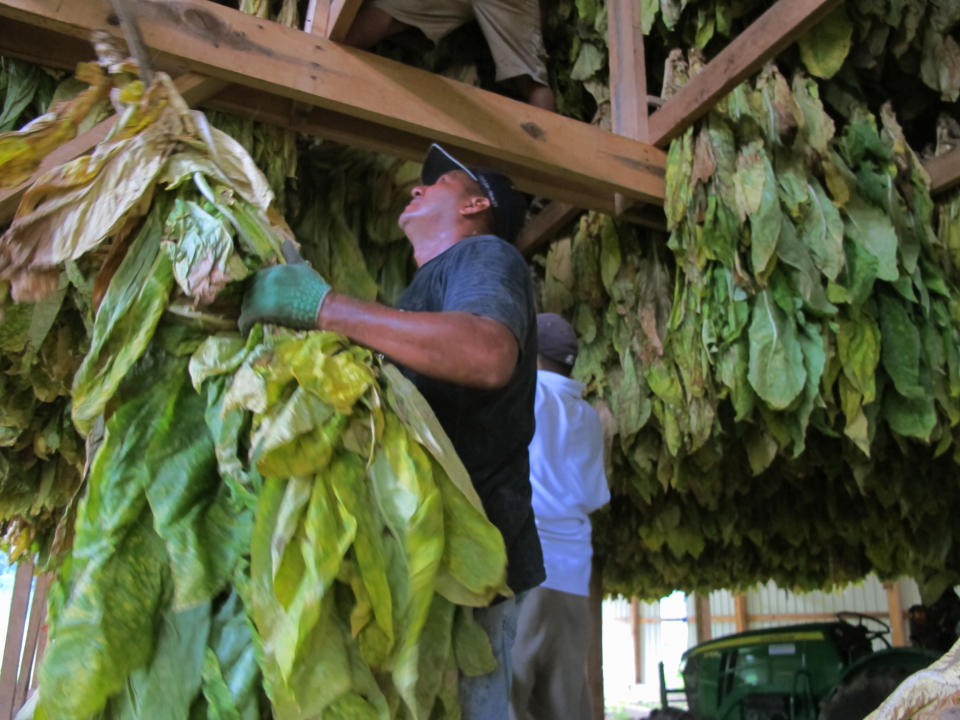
(288,295)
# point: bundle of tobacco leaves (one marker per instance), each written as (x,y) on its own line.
(265,526)
(784,390)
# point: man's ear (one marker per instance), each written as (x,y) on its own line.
(474,205)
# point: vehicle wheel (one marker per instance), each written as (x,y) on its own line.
(670,714)
(862,695)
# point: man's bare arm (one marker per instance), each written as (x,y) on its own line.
(456,347)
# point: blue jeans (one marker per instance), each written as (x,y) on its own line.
(487,697)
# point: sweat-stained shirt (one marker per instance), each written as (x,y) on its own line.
(490,429)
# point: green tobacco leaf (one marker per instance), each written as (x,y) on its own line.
(821,230)
(471,645)
(803,274)
(610,257)
(901,347)
(413,410)
(824,48)
(167,687)
(202,253)
(940,67)
(869,226)
(776,371)
(858,346)
(205,535)
(22,83)
(911,417)
(733,369)
(765,223)
(297,437)
(125,322)
(588,63)
(325,366)
(818,127)
(357,504)
(119,573)
(231,676)
(678,179)
(648,14)
(750,179)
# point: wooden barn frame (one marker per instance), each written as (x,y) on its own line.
(306,81)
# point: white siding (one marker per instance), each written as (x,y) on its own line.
(767,606)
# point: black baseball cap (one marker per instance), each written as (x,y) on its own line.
(508,206)
(556,339)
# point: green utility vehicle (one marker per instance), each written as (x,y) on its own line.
(813,671)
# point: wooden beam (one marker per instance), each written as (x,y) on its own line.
(544,226)
(22,583)
(898,638)
(773,31)
(740,612)
(703,621)
(944,171)
(595,647)
(537,147)
(194,88)
(342,14)
(338,127)
(637,636)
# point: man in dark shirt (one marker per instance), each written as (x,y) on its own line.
(464,332)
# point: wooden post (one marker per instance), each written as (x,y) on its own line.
(31,649)
(315,19)
(628,77)
(740,612)
(702,605)
(895,608)
(595,648)
(637,640)
(14,641)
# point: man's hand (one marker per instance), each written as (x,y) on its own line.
(288,295)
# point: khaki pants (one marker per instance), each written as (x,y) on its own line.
(511,28)
(550,656)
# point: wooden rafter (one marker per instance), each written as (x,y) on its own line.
(544,152)
(773,31)
(944,171)
(543,227)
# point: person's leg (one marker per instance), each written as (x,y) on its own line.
(567,692)
(379,19)
(537,94)
(487,697)
(527,655)
(370,27)
(550,658)
(512,30)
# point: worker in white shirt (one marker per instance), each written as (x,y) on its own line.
(569,483)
